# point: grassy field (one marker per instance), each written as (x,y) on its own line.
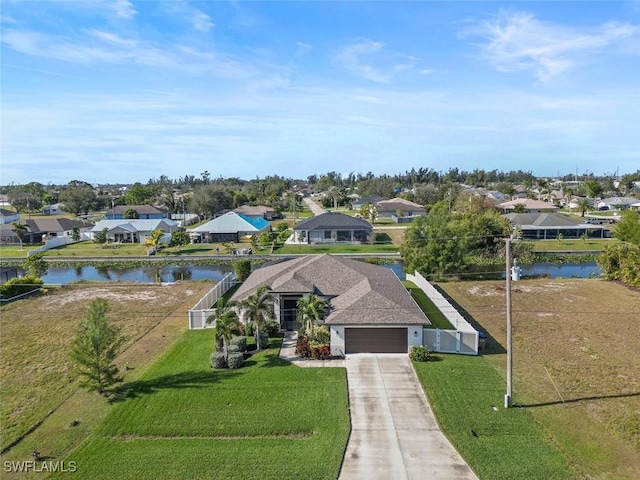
(269,419)
(576,364)
(36,374)
(591,245)
(438,320)
(328,248)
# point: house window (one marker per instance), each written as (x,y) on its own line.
(327,234)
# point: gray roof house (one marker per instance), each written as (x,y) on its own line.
(8,216)
(372,199)
(39,229)
(617,203)
(532,206)
(133,231)
(332,227)
(230,227)
(258,211)
(400,210)
(547,226)
(371,310)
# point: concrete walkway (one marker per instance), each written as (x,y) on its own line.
(288,353)
(394,434)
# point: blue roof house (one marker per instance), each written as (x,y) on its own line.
(230,227)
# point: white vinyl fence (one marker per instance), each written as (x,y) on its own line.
(200,311)
(464,339)
(54,242)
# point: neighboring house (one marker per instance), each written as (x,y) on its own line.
(258,211)
(133,231)
(496,195)
(635,206)
(532,206)
(230,227)
(371,310)
(399,209)
(145,212)
(8,216)
(38,230)
(332,227)
(617,203)
(53,209)
(7,273)
(5,200)
(371,199)
(547,226)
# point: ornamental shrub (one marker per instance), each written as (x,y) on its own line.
(18,286)
(322,334)
(263,340)
(240,342)
(235,360)
(218,361)
(302,347)
(319,351)
(242,269)
(233,349)
(419,354)
(271,328)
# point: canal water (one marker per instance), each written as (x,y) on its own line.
(155,274)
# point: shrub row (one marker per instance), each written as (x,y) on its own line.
(314,349)
(235,360)
(18,286)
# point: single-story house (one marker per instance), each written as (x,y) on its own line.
(53,209)
(370,199)
(230,227)
(400,210)
(370,309)
(547,226)
(133,231)
(8,216)
(38,230)
(617,203)
(145,212)
(532,206)
(332,227)
(635,206)
(258,211)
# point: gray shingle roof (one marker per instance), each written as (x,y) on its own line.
(360,293)
(541,220)
(333,221)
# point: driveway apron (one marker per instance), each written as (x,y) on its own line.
(394,434)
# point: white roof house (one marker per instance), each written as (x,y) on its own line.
(133,231)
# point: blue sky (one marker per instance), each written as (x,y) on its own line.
(124,91)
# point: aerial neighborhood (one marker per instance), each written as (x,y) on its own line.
(338,316)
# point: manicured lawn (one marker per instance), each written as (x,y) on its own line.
(182,419)
(593,245)
(438,320)
(497,444)
(329,248)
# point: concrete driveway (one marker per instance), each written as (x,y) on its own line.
(394,434)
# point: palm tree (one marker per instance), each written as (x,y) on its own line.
(225,319)
(153,241)
(311,310)
(258,308)
(583,205)
(21,230)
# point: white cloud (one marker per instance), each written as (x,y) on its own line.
(202,22)
(122,8)
(350,58)
(519,41)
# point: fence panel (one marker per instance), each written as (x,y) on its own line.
(200,311)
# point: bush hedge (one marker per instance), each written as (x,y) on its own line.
(18,286)
(419,354)
(240,342)
(235,360)
(218,361)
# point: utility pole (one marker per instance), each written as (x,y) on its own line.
(507,397)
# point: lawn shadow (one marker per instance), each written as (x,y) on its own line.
(193,379)
(493,347)
(582,399)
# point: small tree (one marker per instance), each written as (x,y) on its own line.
(180,239)
(242,269)
(225,319)
(75,234)
(153,242)
(101,236)
(36,266)
(95,348)
(130,214)
(21,231)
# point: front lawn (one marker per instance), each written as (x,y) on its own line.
(594,245)
(467,397)
(438,320)
(335,248)
(182,419)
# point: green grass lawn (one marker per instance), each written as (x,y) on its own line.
(335,248)
(438,320)
(269,419)
(497,444)
(590,245)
